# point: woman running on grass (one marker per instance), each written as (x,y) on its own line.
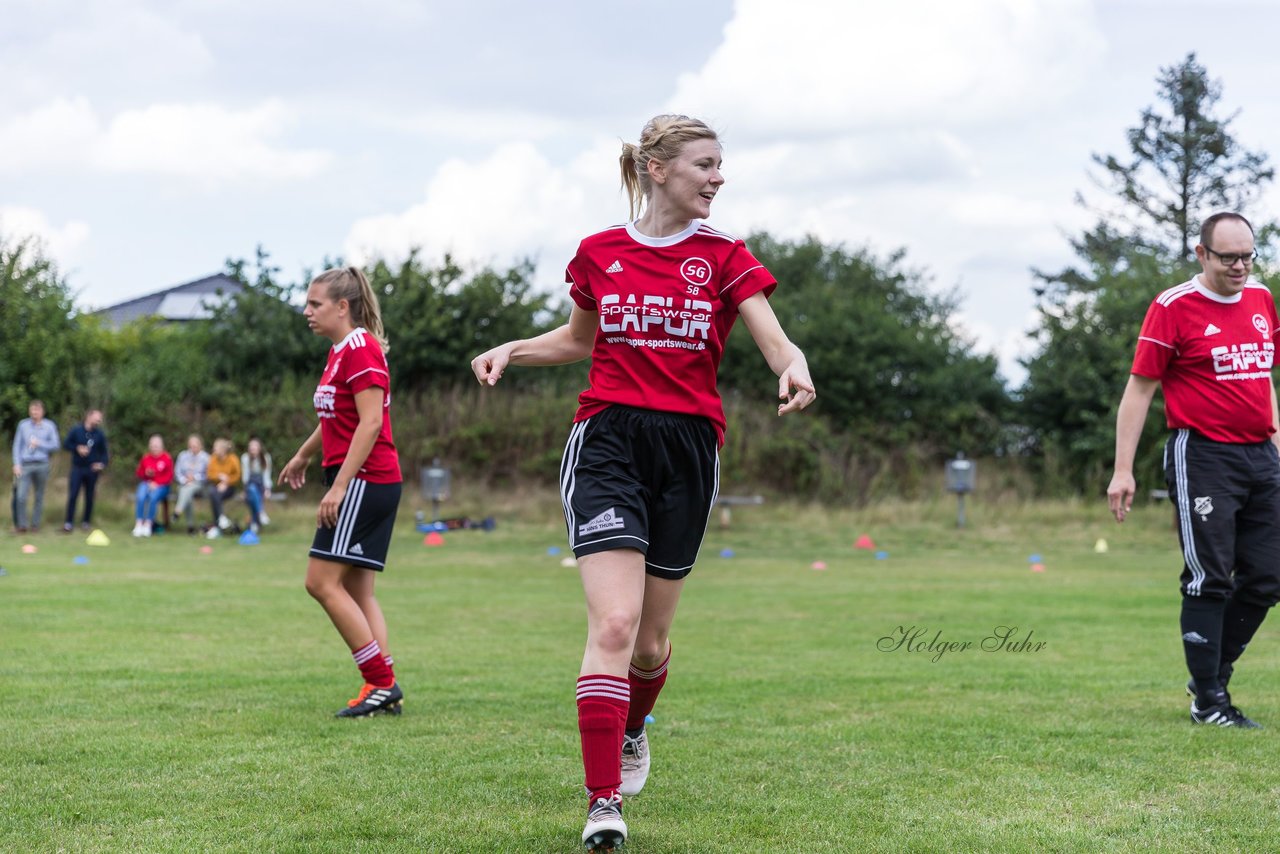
(361,469)
(654,301)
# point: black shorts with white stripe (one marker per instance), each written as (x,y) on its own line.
(1227,500)
(641,479)
(366,519)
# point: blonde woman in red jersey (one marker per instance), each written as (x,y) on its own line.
(654,300)
(355,518)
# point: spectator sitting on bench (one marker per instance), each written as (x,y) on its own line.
(223,478)
(255,467)
(155,473)
(190,472)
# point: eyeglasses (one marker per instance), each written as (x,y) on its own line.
(1232,260)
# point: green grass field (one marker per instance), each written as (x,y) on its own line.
(158,699)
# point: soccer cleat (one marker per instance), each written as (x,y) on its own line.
(263,518)
(359,698)
(635,763)
(1223,714)
(374,701)
(605,829)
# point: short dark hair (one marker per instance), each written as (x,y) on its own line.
(1206,230)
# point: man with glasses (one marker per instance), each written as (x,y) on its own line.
(1209,343)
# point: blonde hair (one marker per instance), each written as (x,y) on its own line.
(221,447)
(351,284)
(662,139)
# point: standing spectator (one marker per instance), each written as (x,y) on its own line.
(362,472)
(155,474)
(191,471)
(255,468)
(88,447)
(1209,345)
(653,303)
(36,439)
(223,477)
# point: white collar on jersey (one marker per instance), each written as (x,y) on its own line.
(1203,290)
(672,240)
(359,330)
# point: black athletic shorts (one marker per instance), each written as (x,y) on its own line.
(640,479)
(366,518)
(1227,500)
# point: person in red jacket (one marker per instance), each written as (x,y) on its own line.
(654,300)
(154,473)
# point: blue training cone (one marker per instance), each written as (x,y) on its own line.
(249,538)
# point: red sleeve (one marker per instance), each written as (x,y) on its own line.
(743,276)
(164,473)
(366,367)
(1157,343)
(575,276)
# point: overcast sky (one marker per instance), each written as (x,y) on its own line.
(146,142)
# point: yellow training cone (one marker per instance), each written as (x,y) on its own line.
(98,538)
(1100,547)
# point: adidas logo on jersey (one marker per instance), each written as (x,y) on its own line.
(615,267)
(609,520)
(355,550)
(1211,330)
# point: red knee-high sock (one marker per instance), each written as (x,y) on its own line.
(373,667)
(602,716)
(645,687)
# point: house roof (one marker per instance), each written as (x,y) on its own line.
(191,301)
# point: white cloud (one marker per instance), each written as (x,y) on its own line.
(811,67)
(60,47)
(61,243)
(61,134)
(497,210)
(206,142)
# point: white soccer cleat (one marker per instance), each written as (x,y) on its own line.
(137,529)
(263,518)
(223,522)
(635,763)
(605,829)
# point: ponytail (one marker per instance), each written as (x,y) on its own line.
(662,139)
(352,285)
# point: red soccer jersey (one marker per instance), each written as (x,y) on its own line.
(355,364)
(666,306)
(1212,355)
